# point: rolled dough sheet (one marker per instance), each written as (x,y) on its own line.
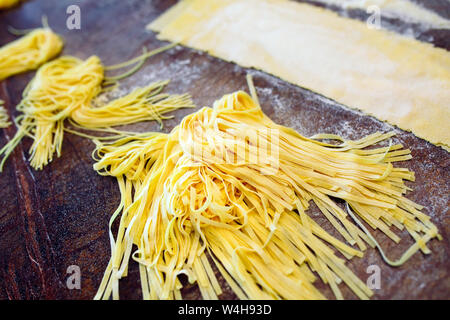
(394,78)
(402,9)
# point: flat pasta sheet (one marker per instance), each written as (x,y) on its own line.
(405,10)
(392,77)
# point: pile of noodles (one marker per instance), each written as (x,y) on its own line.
(5,4)
(29,52)
(4,123)
(65,88)
(230,182)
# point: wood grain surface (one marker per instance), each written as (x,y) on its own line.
(58,217)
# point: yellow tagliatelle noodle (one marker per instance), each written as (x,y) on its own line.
(29,52)
(4,123)
(65,88)
(5,4)
(148,103)
(231,183)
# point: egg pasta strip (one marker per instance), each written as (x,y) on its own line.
(392,77)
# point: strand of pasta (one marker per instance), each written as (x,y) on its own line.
(142,104)
(6,4)
(4,122)
(420,244)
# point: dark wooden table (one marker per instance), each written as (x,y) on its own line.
(58,217)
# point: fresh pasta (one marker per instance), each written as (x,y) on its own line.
(29,52)
(4,123)
(5,4)
(65,88)
(231,183)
